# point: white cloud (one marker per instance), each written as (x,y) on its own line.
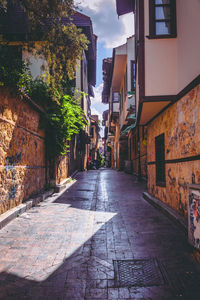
(127,23)
(107,26)
(97,94)
(94,111)
(97,107)
(94,5)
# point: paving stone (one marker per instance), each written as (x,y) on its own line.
(64,249)
(96,293)
(113,293)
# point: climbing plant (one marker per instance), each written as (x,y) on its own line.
(63,117)
(59,42)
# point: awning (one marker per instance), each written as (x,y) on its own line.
(151,106)
(124,6)
(127,129)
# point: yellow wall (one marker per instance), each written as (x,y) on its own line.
(181,125)
(22,151)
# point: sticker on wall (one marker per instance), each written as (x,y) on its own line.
(194,215)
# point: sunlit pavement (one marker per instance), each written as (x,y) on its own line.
(64,249)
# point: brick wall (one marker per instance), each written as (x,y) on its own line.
(181,125)
(22,151)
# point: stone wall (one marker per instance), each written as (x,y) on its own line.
(181,125)
(62,169)
(22,151)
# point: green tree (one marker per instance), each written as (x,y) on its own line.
(50,22)
(63,43)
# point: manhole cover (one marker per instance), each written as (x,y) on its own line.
(138,272)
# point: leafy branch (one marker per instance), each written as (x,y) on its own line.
(61,43)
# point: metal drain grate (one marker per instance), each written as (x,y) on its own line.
(138,272)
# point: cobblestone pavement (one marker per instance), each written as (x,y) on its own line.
(64,249)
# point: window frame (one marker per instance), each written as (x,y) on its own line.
(113,97)
(160,160)
(153,21)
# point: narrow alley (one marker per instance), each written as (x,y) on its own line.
(99,239)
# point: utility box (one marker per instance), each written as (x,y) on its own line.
(194,215)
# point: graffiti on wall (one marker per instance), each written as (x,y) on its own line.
(11,161)
(194,216)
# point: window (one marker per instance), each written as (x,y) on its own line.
(162,18)
(143,132)
(133,75)
(116,97)
(160,159)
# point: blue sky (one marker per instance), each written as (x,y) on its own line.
(111,31)
(102,52)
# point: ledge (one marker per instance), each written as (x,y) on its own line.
(61,186)
(20,209)
(161,36)
(170,212)
(49,196)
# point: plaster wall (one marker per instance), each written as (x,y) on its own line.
(181,125)
(130,56)
(160,63)
(171,64)
(35,63)
(188,41)
(22,151)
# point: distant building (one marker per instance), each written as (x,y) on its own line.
(94,137)
(119,93)
(167,97)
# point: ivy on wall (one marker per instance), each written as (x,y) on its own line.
(61,47)
(50,23)
(63,115)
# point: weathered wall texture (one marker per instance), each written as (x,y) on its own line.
(62,169)
(136,154)
(181,125)
(22,151)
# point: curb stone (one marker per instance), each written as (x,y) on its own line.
(170,212)
(60,187)
(50,195)
(20,209)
